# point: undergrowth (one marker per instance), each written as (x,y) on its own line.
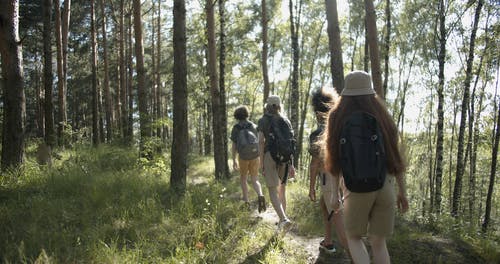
(106,205)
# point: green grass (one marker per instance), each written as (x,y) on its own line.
(105,205)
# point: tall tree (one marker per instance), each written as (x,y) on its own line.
(494,160)
(159,110)
(61,114)
(180,126)
(457,190)
(221,167)
(371,30)
(14,106)
(142,91)
(387,45)
(66,12)
(222,86)
(95,88)
(108,105)
(50,137)
(294,91)
(440,112)
(335,45)
(265,50)
(123,76)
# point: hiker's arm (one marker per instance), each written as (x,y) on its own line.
(233,154)
(313,172)
(262,142)
(402,200)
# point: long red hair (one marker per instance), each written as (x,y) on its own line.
(373,105)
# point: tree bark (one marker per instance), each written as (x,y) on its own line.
(159,108)
(50,137)
(142,91)
(14,105)
(64,37)
(294,89)
(60,73)
(387,45)
(123,76)
(335,45)
(95,88)
(371,29)
(265,50)
(494,160)
(180,93)
(220,163)
(108,105)
(457,190)
(222,87)
(440,112)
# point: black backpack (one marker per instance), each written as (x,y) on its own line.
(362,153)
(247,142)
(281,140)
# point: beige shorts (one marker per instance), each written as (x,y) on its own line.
(272,173)
(249,167)
(371,212)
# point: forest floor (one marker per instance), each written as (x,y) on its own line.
(411,242)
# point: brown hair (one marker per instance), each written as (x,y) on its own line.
(273,109)
(373,105)
(241,112)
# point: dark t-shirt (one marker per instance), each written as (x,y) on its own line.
(237,127)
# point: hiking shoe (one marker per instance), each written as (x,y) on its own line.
(285,225)
(262,204)
(327,248)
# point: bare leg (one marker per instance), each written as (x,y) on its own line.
(276,202)
(244,187)
(282,195)
(326,222)
(379,249)
(359,254)
(256,185)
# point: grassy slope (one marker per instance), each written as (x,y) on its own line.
(106,206)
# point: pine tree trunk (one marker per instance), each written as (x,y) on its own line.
(14,107)
(60,72)
(142,91)
(130,84)
(222,88)
(440,107)
(265,50)
(220,162)
(50,137)
(371,26)
(294,91)
(180,95)
(66,12)
(123,76)
(494,160)
(95,89)
(108,104)
(159,87)
(335,46)
(387,45)
(457,190)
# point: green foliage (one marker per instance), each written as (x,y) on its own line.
(101,205)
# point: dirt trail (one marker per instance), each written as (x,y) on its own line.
(310,245)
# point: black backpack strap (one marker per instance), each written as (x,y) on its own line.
(285,177)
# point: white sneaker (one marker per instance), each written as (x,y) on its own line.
(285,225)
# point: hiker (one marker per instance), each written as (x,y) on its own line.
(369,199)
(277,168)
(322,100)
(245,141)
